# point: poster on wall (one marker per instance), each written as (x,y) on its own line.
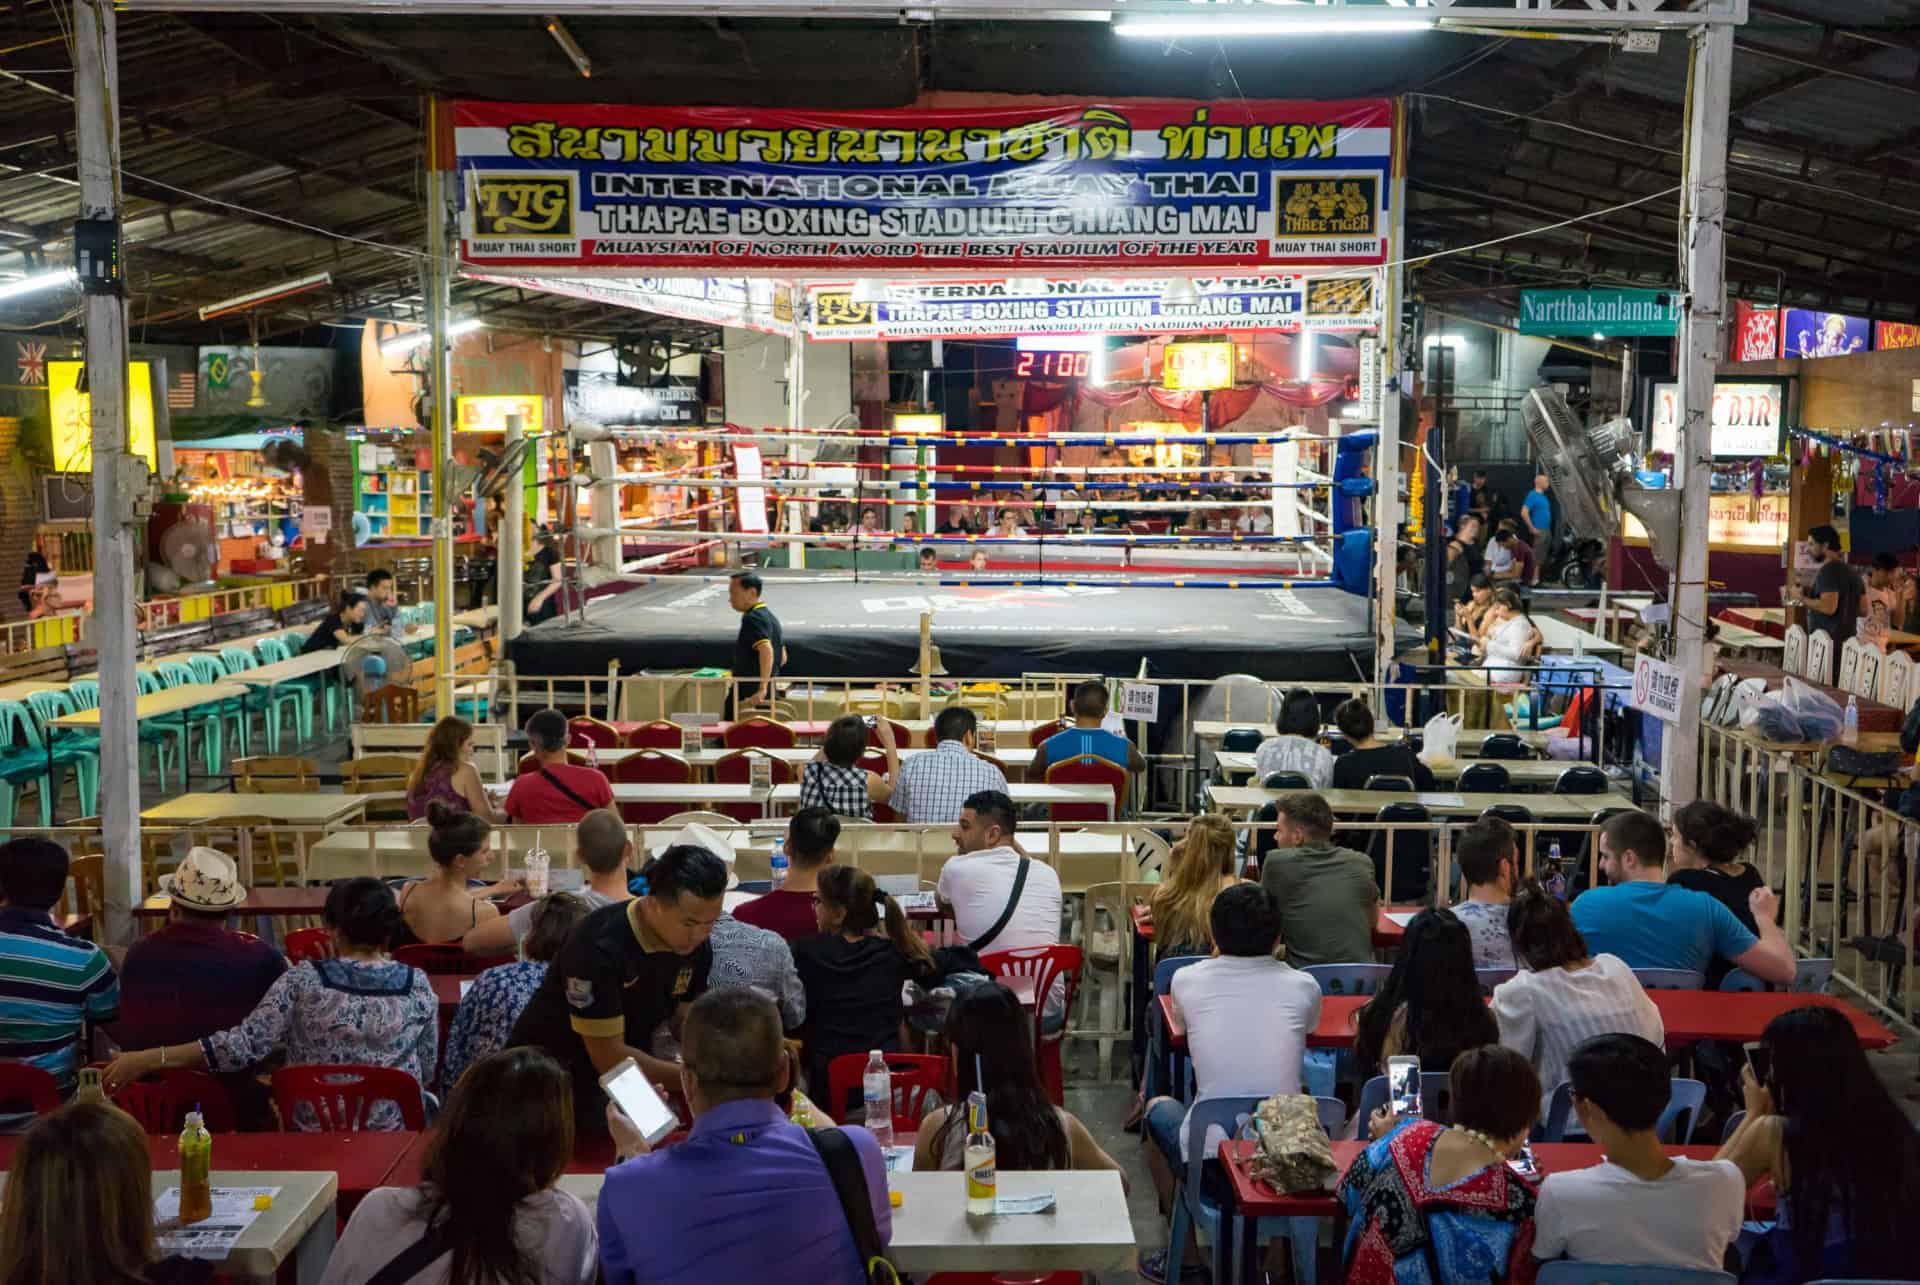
(70,411)
(1756,333)
(1895,334)
(279,383)
(1140,184)
(1747,418)
(1823,334)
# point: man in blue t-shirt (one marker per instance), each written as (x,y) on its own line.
(1537,511)
(1648,923)
(1086,738)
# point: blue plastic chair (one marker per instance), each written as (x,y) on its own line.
(1193,1211)
(1810,977)
(1492,977)
(1162,1075)
(1684,1097)
(1349,979)
(1734,1121)
(1670,979)
(1241,740)
(1566,1272)
(1436,1094)
(80,749)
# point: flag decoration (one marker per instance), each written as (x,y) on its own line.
(31,359)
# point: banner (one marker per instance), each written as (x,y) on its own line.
(1756,333)
(1598,312)
(1895,334)
(1746,419)
(1040,306)
(750,304)
(1138,185)
(1823,334)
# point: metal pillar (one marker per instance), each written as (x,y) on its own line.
(609,551)
(796,384)
(439,284)
(510,564)
(117,483)
(1702,269)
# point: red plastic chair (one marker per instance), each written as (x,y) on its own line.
(914,1076)
(652,767)
(1087,770)
(527,762)
(305,944)
(1046,731)
(657,735)
(760,732)
(1043,964)
(20,1082)
(737,769)
(877,764)
(342,1097)
(442,959)
(160,1101)
(583,731)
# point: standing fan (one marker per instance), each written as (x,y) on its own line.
(374,660)
(186,557)
(1593,475)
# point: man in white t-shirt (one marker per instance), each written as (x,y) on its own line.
(1247,1016)
(976,889)
(1638,1205)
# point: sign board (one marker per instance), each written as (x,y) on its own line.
(1082,185)
(489,414)
(71,412)
(1193,368)
(316,522)
(1895,334)
(1823,334)
(1370,379)
(1656,688)
(1747,418)
(1756,333)
(1140,701)
(1599,312)
(751,500)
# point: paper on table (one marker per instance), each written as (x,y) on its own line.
(1402,917)
(1039,1202)
(213,1237)
(913,901)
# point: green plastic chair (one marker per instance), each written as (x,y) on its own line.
(210,669)
(168,735)
(79,749)
(205,718)
(271,702)
(272,651)
(24,762)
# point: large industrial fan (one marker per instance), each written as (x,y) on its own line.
(186,557)
(373,661)
(1593,475)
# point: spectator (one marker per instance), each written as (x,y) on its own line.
(603,846)
(835,780)
(930,788)
(788,910)
(1843,1156)
(1511,557)
(1509,640)
(853,970)
(383,602)
(1707,844)
(1489,861)
(744,955)
(1438,1203)
(552,790)
(747,1197)
(1430,1005)
(1467,534)
(1370,758)
(977,560)
(1247,1017)
(1833,604)
(1637,1205)
(1297,748)
(489,1200)
(341,626)
(1328,900)
(78,1205)
(929,561)
(1650,923)
(193,976)
(997,897)
(869,521)
(445,774)
(1086,738)
(441,907)
(1481,498)
(626,970)
(359,1008)
(1564,994)
(1537,512)
(493,1003)
(1471,614)
(990,1035)
(1201,868)
(51,985)
(1006,525)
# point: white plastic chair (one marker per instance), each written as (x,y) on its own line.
(1819,657)
(1866,673)
(1849,664)
(1794,658)
(1896,680)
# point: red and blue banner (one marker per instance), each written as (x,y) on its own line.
(1137,186)
(1823,334)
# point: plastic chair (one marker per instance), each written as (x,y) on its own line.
(1161,1075)
(1670,979)
(915,1076)
(209,669)
(760,732)
(1810,976)
(902,735)
(81,750)
(24,761)
(1349,979)
(271,703)
(1483,778)
(1088,770)
(160,1101)
(1563,1271)
(1044,964)
(1581,778)
(1412,854)
(441,959)
(1685,1097)
(583,731)
(1192,1210)
(1286,781)
(876,762)
(737,769)
(1436,1097)
(1492,977)
(656,735)
(651,767)
(1241,740)
(1390,783)
(1042,733)
(304,944)
(20,1082)
(342,1097)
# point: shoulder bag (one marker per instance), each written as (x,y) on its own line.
(850,1185)
(561,786)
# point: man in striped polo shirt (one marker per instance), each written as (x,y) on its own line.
(51,984)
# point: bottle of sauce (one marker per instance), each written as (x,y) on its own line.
(979,1156)
(196,1163)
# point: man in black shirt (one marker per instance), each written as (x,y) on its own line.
(1834,603)
(759,651)
(341,626)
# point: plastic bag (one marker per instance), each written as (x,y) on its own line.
(1439,740)
(1797,712)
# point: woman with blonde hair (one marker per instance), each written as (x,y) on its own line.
(445,774)
(1201,867)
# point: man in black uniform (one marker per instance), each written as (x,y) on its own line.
(759,651)
(626,969)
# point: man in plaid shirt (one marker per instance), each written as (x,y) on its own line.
(932,787)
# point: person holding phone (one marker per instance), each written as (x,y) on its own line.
(627,969)
(835,780)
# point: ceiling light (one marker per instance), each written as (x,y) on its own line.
(1599,338)
(1271,25)
(27,285)
(255,298)
(414,338)
(868,290)
(1180,292)
(570,46)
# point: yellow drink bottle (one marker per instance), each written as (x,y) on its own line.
(196,1164)
(979,1156)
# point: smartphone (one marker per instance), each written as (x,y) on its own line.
(633,1093)
(1403,1085)
(1522,1161)
(1760,1058)
(870,721)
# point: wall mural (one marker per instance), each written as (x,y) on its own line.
(294,383)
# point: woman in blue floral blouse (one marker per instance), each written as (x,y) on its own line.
(492,1004)
(360,1009)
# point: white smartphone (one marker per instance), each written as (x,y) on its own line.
(1403,1085)
(1523,1162)
(634,1094)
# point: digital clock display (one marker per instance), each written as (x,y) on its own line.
(1053,365)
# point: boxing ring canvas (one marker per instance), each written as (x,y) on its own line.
(841,628)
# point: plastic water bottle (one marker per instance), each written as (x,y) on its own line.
(1557,881)
(1850,730)
(778,864)
(876,1088)
(593,755)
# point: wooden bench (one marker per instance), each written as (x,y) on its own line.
(174,639)
(308,611)
(472,675)
(489,744)
(242,624)
(46,664)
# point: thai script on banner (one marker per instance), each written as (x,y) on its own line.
(1153,183)
(1895,334)
(1038,306)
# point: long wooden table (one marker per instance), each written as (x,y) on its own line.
(1468,746)
(1530,772)
(318,810)
(1545,807)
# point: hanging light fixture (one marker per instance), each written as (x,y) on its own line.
(1180,292)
